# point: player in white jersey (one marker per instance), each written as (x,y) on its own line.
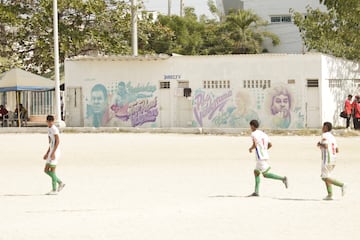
(329,149)
(261,144)
(52,156)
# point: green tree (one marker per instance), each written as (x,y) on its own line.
(187,30)
(335,31)
(85,27)
(12,18)
(104,27)
(247,31)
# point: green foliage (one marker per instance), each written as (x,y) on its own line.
(241,32)
(247,30)
(335,32)
(104,27)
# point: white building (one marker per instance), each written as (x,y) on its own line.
(291,91)
(277,13)
(226,5)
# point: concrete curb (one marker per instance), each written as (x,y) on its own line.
(210,131)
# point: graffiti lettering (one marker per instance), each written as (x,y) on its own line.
(207,106)
(143,111)
(138,88)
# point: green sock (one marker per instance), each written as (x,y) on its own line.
(257,183)
(273,176)
(329,188)
(54,179)
(335,182)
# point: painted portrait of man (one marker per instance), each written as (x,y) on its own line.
(281,103)
(97,109)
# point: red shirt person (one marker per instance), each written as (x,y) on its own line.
(348,110)
(356,109)
(3,110)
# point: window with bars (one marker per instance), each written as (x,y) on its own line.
(216,84)
(257,84)
(313,83)
(164,85)
(280,19)
(339,83)
(183,84)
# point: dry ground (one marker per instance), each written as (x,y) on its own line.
(173,186)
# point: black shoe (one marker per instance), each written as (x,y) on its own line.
(285,181)
(254,194)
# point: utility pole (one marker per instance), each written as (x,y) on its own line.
(181,8)
(134,36)
(56,65)
(169,8)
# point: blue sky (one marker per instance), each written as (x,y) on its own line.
(162,6)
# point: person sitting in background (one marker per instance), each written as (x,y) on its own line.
(3,114)
(23,112)
(3,111)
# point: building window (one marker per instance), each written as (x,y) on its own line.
(280,19)
(344,83)
(257,84)
(291,81)
(183,84)
(216,84)
(164,85)
(312,83)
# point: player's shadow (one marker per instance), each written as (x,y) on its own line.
(21,195)
(227,196)
(276,198)
(298,199)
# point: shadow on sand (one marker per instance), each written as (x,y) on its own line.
(276,198)
(22,195)
(299,199)
(227,196)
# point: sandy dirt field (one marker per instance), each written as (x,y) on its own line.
(172,186)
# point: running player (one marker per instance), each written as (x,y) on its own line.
(52,156)
(261,144)
(329,149)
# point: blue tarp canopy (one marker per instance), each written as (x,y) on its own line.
(17,79)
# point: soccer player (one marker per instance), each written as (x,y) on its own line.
(261,144)
(329,149)
(52,156)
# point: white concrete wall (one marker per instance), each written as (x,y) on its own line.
(214,108)
(347,74)
(140,78)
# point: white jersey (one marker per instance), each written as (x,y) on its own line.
(261,141)
(328,155)
(52,131)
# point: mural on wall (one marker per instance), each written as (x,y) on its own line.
(244,110)
(283,111)
(274,108)
(280,107)
(208,105)
(135,105)
(97,110)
